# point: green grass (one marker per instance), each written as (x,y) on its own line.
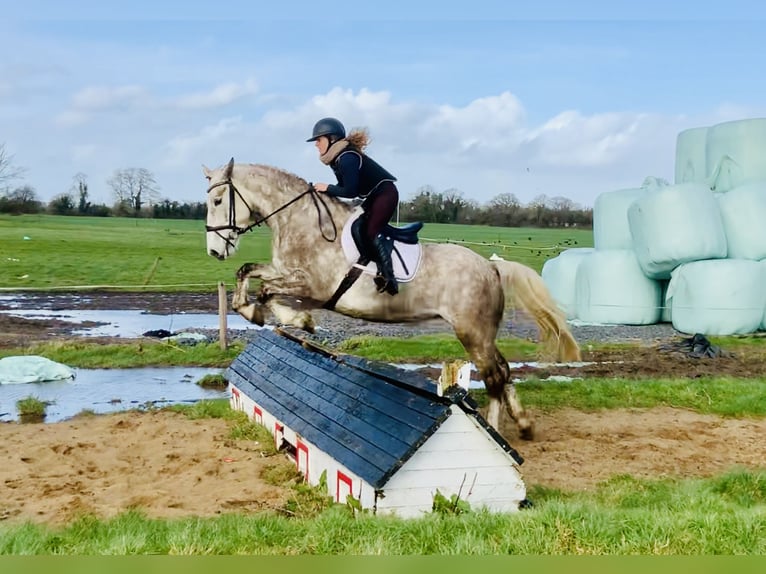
(169,255)
(31,407)
(87,355)
(722,515)
(428,348)
(723,396)
(134,254)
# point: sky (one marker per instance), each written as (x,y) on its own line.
(559,98)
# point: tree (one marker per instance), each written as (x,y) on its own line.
(21,200)
(8,171)
(133,187)
(504,210)
(453,206)
(539,207)
(62,204)
(80,187)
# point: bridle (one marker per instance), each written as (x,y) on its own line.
(232,224)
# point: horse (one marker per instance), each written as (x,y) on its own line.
(308,264)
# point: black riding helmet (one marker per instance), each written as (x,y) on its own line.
(328,127)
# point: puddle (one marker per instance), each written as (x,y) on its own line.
(112,390)
(131,323)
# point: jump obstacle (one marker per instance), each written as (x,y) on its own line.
(388,437)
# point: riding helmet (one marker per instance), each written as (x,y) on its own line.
(328,127)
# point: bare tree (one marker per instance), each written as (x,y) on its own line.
(8,171)
(538,207)
(561,210)
(505,209)
(134,187)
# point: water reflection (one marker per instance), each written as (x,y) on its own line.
(131,323)
(111,390)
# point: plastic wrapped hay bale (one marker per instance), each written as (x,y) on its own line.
(763,321)
(718,297)
(610,215)
(666,316)
(611,288)
(559,275)
(691,156)
(676,224)
(734,153)
(743,213)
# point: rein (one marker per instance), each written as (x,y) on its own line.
(232,225)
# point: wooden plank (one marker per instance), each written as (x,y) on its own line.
(321,368)
(357,387)
(313,362)
(320,433)
(357,416)
(326,405)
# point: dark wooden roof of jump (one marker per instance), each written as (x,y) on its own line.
(371,417)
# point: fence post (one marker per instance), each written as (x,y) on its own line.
(223,307)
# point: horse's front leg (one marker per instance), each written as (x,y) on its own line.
(289,316)
(273,283)
(239,301)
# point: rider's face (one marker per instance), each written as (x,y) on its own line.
(322,144)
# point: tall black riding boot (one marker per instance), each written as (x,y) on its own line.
(386,267)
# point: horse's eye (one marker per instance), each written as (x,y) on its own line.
(217,202)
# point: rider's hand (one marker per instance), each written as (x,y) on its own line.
(320,187)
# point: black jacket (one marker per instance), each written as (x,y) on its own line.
(358,174)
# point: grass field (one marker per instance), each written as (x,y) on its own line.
(723,514)
(56,252)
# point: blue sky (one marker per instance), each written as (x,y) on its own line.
(551,99)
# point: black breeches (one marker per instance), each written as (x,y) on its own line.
(380,208)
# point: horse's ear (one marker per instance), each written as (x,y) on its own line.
(206,171)
(229,169)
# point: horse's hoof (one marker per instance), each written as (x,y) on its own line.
(306,323)
(526,429)
(252,314)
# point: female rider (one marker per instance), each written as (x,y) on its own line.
(360,176)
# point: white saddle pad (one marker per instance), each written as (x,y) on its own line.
(405,257)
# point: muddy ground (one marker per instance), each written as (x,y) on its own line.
(171,467)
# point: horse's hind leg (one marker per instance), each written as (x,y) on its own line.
(496,374)
(517,412)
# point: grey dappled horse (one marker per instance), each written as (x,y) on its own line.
(308,263)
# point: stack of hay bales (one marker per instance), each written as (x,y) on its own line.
(692,253)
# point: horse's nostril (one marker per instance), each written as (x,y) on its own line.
(214,253)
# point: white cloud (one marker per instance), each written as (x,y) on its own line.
(571,139)
(221,95)
(180,149)
(95,98)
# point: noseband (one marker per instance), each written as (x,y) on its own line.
(232,224)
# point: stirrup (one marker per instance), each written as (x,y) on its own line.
(384,285)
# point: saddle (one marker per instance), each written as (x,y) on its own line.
(405,234)
(400,242)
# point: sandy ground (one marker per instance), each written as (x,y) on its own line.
(170,466)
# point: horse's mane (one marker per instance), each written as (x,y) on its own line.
(287,180)
(281,177)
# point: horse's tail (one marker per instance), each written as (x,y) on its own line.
(525,288)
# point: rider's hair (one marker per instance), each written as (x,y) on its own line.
(359,138)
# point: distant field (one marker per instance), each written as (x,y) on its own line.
(56,252)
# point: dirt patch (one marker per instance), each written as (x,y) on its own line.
(160,462)
(170,466)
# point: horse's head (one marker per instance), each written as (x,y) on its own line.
(228,215)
